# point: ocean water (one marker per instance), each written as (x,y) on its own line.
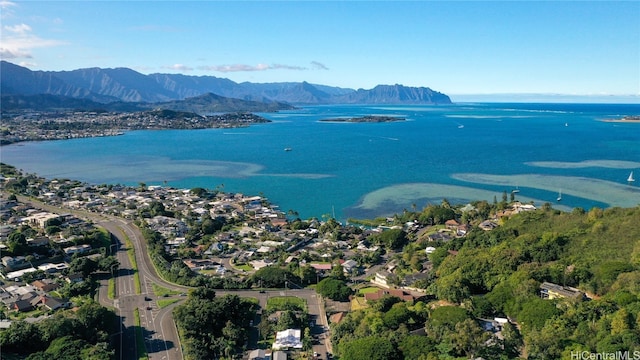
(460,152)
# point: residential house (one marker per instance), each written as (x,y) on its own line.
(321,267)
(198,264)
(554,291)
(350,266)
(45,285)
(411,279)
(78,249)
(288,339)
(439,236)
(451,224)
(13,262)
(488,225)
(22,306)
(258,354)
(402,295)
(53,303)
(382,278)
(74,278)
(38,241)
(337,317)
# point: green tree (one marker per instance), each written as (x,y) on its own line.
(535,312)
(397,315)
(287,320)
(22,338)
(468,338)
(416,347)
(369,348)
(17,243)
(334,289)
(620,322)
(274,277)
(83,265)
(443,320)
(308,275)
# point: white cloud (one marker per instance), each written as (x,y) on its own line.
(244,67)
(20,29)
(178,67)
(6,4)
(18,42)
(6,7)
(13,54)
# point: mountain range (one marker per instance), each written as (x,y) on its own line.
(124,85)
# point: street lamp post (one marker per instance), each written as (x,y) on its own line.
(111,248)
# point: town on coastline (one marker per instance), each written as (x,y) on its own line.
(35,126)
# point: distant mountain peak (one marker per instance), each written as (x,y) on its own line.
(127,85)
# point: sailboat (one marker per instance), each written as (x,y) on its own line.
(631,179)
(559,196)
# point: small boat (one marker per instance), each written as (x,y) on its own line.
(559,196)
(287,149)
(515,191)
(631,179)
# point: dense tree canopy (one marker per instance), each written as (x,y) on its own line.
(213,326)
(275,277)
(334,289)
(370,348)
(80,334)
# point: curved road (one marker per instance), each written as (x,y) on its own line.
(158,328)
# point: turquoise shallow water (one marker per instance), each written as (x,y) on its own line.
(459,152)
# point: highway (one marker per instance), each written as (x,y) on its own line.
(158,328)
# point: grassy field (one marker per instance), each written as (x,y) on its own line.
(286,303)
(358,303)
(162,291)
(245,267)
(166,302)
(368,290)
(111,290)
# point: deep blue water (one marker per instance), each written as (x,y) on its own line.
(460,152)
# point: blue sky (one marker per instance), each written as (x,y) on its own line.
(478,47)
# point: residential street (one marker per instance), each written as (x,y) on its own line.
(158,328)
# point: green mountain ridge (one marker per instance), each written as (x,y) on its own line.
(202,104)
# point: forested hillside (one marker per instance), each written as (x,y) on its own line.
(498,273)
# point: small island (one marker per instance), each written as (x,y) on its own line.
(628,118)
(367,119)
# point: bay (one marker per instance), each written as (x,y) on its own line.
(461,152)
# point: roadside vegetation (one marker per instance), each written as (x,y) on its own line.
(213,327)
(82,333)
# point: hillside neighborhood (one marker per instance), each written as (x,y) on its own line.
(232,237)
